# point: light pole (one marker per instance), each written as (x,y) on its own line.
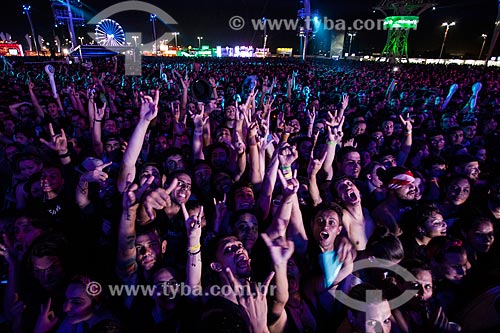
(26,10)
(152,18)
(482,47)
(351,37)
(81,40)
(175,37)
(447,25)
(199,42)
(264,20)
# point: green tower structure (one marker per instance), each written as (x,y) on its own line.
(404,18)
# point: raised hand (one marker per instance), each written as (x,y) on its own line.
(96,175)
(220,208)
(58,142)
(9,252)
(406,123)
(287,155)
(314,164)
(290,186)
(149,109)
(254,305)
(193,224)
(159,199)
(311,116)
(335,134)
(99,113)
(345,103)
(200,119)
(280,249)
(239,145)
(47,320)
(335,120)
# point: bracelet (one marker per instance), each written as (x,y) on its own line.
(66,154)
(192,249)
(97,121)
(193,253)
(331,143)
(407,133)
(198,132)
(287,172)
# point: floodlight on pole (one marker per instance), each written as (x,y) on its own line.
(175,37)
(199,41)
(26,10)
(152,18)
(447,25)
(484,36)
(351,37)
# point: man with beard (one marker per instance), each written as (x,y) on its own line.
(401,194)
(356,220)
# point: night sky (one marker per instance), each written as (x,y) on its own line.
(210,20)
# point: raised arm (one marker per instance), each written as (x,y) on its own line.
(96,129)
(149,111)
(313,168)
(281,251)
(193,264)
(253,155)
(58,143)
(126,264)
(335,134)
(199,121)
(406,146)
(82,190)
(266,192)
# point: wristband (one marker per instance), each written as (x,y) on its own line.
(407,133)
(193,253)
(287,172)
(66,154)
(331,143)
(193,249)
(98,121)
(198,132)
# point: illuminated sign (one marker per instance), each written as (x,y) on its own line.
(401,22)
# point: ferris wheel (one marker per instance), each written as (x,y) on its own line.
(109,33)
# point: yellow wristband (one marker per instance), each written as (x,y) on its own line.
(194,248)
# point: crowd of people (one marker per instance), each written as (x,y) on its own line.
(284,184)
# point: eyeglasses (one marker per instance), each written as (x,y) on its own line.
(437,141)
